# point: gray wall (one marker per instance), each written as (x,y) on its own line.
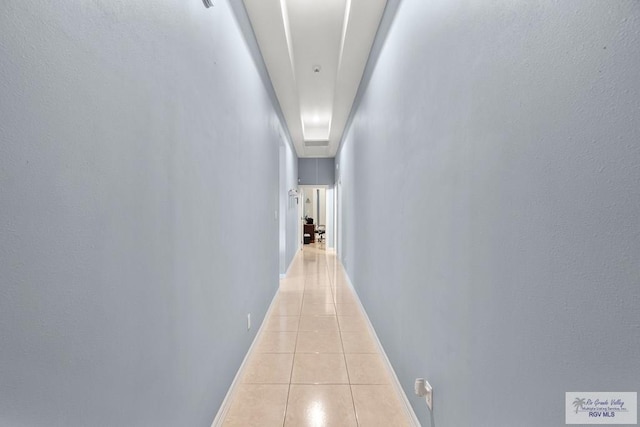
(130,134)
(316,171)
(289,218)
(502,140)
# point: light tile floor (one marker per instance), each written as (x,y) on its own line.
(315,362)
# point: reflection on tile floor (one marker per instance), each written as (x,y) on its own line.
(315,362)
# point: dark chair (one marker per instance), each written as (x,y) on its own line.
(321,231)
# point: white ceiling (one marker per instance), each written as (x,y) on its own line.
(298,36)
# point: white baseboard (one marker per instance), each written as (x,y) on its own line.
(226,403)
(392,373)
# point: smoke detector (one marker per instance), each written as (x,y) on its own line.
(317,68)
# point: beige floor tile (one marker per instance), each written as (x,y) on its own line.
(358,342)
(292,286)
(318,293)
(324,368)
(257,405)
(318,309)
(314,268)
(325,298)
(322,280)
(348,310)
(367,369)
(320,405)
(286,309)
(316,278)
(268,368)
(341,280)
(344,297)
(289,297)
(319,342)
(293,280)
(318,323)
(282,323)
(353,324)
(318,281)
(276,342)
(326,288)
(379,405)
(314,319)
(290,292)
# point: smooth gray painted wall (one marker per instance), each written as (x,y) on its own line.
(502,141)
(289,217)
(130,133)
(316,171)
(282,226)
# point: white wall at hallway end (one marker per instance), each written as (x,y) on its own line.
(321,206)
(315,204)
(310,202)
(307,202)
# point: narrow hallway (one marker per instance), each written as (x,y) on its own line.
(315,361)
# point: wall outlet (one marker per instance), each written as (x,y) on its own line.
(248,321)
(422,388)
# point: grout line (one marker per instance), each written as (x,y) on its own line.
(315,271)
(344,354)
(293,362)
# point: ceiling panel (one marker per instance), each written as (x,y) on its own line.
(315,52)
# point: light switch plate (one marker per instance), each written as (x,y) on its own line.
(429,396)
